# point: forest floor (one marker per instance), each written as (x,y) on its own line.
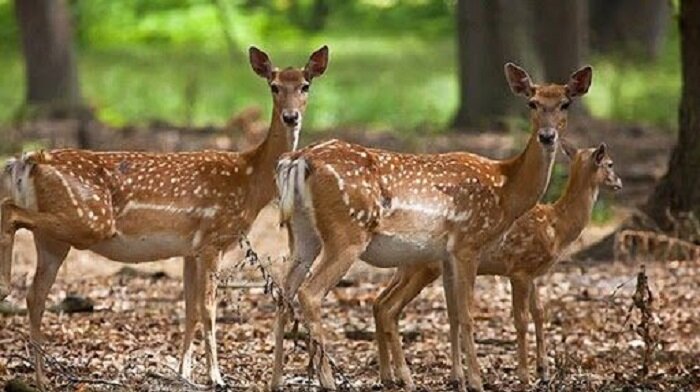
(132,336)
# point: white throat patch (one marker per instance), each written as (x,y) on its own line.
(295,134)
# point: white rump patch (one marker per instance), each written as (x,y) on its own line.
(291,182)
(19,184)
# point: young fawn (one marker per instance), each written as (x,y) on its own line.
(135,207)
(528,250)
(391,209)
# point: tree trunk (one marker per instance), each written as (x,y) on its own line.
(629,27)
(47,43)
(53,90)
(679,190)
(560,31)
(489,33)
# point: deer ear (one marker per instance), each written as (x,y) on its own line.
(600,153)
(518,80)
(569,149)
(318,61)
(260,62)
(579,82)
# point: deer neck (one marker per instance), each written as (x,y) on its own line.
(526,178)
(262,160)
(573,209)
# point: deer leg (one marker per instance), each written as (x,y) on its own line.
(50,256)
(207,268)
(334,263)
(538,316)
(379,308)
(409,285)
(449,278)
(190,282)
(305,247)
(520,293)
(7,240)
(466,267)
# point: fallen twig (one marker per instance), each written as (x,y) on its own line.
(643,300)
(62,370)
(275,289)
(631,244)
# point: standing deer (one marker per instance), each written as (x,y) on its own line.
(391,209)
(135,207)
(528,250)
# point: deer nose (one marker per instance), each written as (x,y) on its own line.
(290,117)
(547,136)
(617,184)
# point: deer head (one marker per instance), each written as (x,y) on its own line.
(596,160)
(289,87)
(548,103)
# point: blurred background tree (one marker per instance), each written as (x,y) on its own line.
(629,27)
(437,62)
(49,56)
(495,30)
(550,35)
(560,33)
(679,190)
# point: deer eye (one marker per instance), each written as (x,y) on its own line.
(565,105)
(274,88)
(610,165)
(305,88)
(532,104)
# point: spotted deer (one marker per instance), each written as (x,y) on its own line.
(135,207)
(393,209)
(527,251)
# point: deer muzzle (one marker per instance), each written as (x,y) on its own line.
(291,118)
(547,136)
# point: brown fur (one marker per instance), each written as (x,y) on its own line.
(447,206)
(136,207)
(528,250)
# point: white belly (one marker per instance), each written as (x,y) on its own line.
(394,250)
(409,234)
(142,248)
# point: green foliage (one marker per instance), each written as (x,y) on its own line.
(8,26)
(557,182)
(602,210)
(392,62)
(11,85)
(638,91)
(367,84)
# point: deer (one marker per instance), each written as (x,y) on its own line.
(392,209)
(135,207)
(528,250)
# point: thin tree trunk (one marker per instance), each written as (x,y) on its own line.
(47,43)
(560,31)
(629,27)
(489,33)
(679,190)
(53,89)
